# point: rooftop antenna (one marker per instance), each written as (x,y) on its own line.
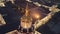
(26,13)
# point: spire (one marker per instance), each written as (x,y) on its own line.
(26,13)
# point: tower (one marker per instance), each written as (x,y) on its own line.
(26,20)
